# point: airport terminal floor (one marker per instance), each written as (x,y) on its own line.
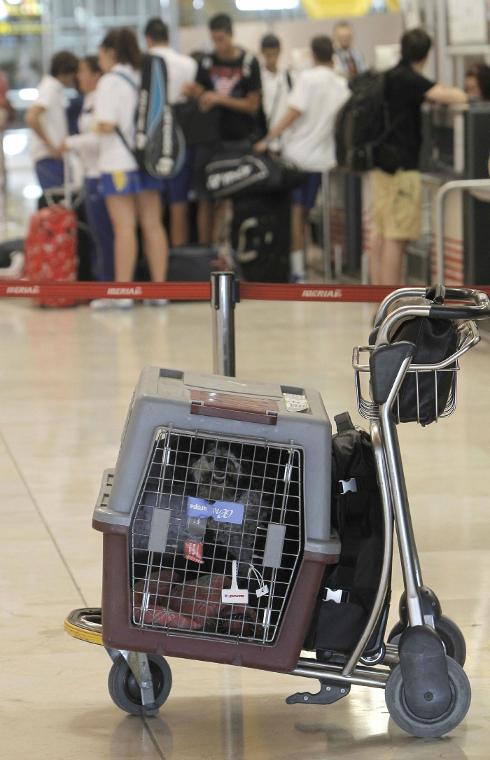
(65,385)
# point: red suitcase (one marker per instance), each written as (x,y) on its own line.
(50,250)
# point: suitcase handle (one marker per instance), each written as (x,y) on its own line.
(229,406)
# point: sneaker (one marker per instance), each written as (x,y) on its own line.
(105,304)
(297,279)
(156,302)
(123,303)
(101,304)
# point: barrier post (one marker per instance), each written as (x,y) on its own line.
(224,296)
(457,184)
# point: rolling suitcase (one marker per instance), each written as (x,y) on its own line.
(51,245)
(261,237)
(50,250)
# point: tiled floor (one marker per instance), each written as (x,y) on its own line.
(65,382)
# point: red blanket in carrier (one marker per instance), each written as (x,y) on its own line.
(50,250)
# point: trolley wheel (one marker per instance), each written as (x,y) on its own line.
(450,635)
(125,691)
(429,729)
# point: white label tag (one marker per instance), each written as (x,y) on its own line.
(262,591)
(234,595)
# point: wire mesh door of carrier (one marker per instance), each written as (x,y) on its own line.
(216,536)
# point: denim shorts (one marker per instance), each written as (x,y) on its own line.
(305,194)
(177,189)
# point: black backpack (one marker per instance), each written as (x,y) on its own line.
(349,588)
(362,126)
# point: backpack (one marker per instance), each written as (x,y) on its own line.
(349,588)
(159,141)
(362,126)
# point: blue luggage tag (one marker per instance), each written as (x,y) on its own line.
(221,511)
(199,507)
(228,512)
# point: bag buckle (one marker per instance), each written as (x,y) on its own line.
(336,595)
(348,486)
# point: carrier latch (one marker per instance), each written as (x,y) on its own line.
(328,694)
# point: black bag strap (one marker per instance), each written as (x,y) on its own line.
(343,422)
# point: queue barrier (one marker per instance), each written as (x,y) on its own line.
(198,291)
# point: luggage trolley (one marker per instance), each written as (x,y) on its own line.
(217,529)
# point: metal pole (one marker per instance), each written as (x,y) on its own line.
(457,184)
(223,300)
(327,248)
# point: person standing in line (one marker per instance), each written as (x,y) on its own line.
(132,196)
(277,83)
(396,184)
(227,79)
(86,146)
(181,70)
(308,138)
(48,120)
(348,61)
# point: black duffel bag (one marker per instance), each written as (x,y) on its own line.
(423,395)
(235,173)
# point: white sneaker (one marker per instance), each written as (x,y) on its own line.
(156,302)
(104,304)
(123,303)
(101,304)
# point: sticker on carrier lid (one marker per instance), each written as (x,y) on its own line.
(221,511)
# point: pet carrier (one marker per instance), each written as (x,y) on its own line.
(216,520)
(218,533)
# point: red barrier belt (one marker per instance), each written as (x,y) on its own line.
(196,291)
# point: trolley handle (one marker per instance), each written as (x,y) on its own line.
(438,294)
(433,311)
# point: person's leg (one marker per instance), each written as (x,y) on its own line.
(391,264)
(179,220)
(179,189)
(205,221)
(123,215)
(149,211)
(101,229)
(375,257)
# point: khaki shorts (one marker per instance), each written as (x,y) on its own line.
(397,209)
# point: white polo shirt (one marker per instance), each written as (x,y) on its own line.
(309,143)
(181,70)
(115,103)
(53,119)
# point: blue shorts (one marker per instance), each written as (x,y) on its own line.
(128,183)
(50,173)
(305,194)
(177,189)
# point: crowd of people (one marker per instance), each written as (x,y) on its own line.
(243,101)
